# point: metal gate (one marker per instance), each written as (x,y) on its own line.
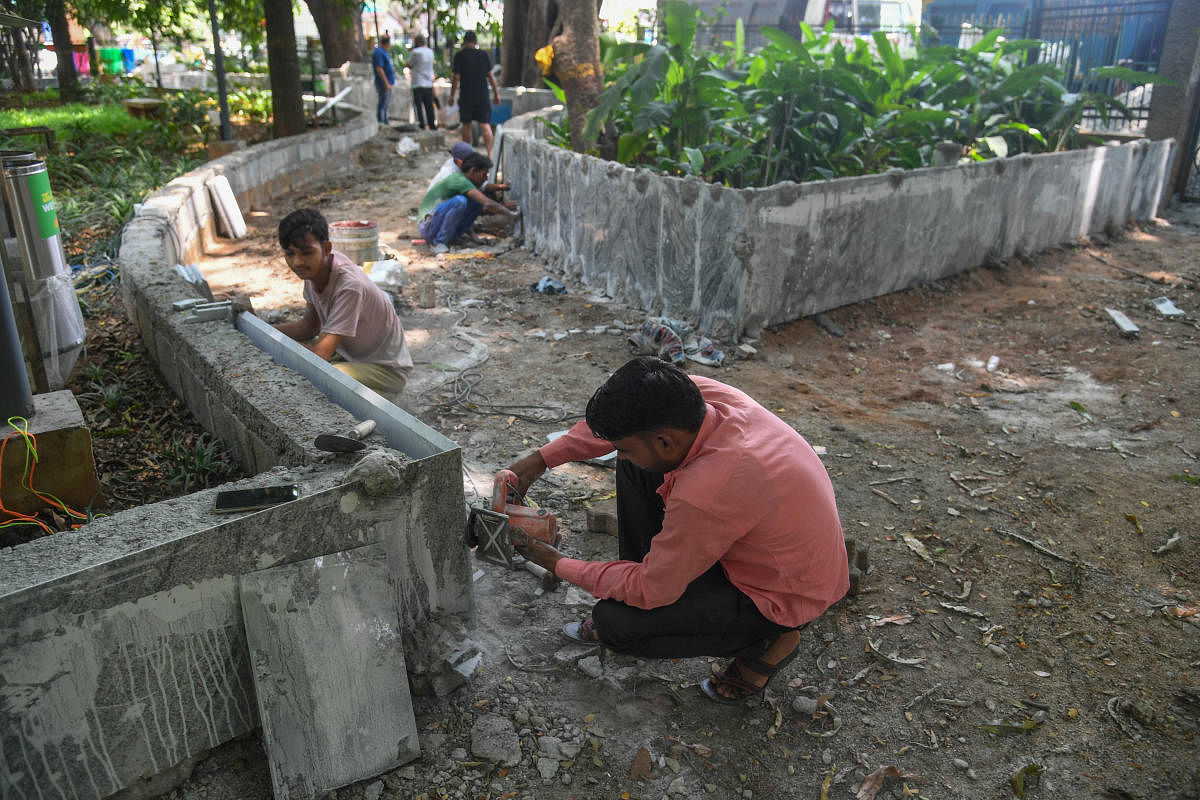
(1077,36)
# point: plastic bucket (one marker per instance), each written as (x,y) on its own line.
(358,239)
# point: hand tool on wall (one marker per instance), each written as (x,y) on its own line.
(350,443)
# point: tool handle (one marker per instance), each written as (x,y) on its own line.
(362,429)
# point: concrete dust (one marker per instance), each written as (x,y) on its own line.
(959,671)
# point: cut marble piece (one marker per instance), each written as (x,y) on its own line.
(329,672)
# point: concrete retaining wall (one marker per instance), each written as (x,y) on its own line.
(736,261)
(122,653)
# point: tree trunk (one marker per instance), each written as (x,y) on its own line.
(64,53)
(577,63)
(287,106)
(20,66)
(526,30)
(339,23)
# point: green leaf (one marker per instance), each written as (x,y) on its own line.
(651,116)
(739,40)
(695,160)
(786,42)
(1017,781)
(630,146)
(997,145)
(1192,479)
(988,41)
(1132,76)
(681,24)
(892,61)
(1078,408)
(1010,729)
(559,94)
(651,73)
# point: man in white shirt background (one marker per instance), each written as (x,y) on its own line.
(420,76)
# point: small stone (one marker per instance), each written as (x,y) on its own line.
(494,739)
(566,779)
(678,787)
(591,667)
(826,757)
(958,762)
(971,774)
(459,754)
(997,649)
(804,705)
(550,746)
(373,791)
(547,767)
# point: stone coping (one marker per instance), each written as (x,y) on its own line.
(734,261)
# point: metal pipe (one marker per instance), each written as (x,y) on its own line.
(15,397)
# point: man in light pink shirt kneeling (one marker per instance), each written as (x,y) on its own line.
(729,538)
(347,320)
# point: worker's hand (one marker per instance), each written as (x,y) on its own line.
(241,302)
(535,550)
(510,205)
(528,470)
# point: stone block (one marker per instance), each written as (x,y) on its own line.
(122,650)
(65,467)
(329,672)
(602,517)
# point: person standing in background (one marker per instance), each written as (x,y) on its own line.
(472,73)
(385,77)
(420,76)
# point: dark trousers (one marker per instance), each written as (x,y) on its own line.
(712,618)
(422,97)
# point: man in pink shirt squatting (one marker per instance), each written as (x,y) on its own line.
(729,534)
(347,316)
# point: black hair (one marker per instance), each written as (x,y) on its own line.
(298,224)
(419,40)
(385,40)
(475,161)
(469,37)
(645,395)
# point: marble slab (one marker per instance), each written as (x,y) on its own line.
(329,672)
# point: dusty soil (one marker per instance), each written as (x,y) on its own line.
(1032,596)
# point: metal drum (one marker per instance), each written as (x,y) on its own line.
(53,303)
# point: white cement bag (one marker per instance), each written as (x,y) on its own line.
(389,274)
(407,146)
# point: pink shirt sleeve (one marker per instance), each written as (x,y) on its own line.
(578,444)
(677,557)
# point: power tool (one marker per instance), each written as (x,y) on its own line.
(489,529)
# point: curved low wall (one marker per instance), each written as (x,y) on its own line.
(123,654)
(738,260)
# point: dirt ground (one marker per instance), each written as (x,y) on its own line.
(1029,623)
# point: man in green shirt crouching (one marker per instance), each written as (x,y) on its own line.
(451,206)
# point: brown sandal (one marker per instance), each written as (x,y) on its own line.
(731,678)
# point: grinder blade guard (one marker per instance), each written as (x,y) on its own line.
(488,528)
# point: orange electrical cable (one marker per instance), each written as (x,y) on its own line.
(30,440)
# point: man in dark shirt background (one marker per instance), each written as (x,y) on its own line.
(472,73)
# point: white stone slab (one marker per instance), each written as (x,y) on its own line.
(329,672)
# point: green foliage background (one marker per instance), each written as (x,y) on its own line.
(818,107)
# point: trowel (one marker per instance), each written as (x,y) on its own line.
(350,443)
